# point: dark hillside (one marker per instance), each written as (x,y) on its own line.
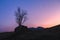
(23,33)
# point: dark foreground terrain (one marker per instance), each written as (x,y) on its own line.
(27,34)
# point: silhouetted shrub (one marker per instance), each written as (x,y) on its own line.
(21,29)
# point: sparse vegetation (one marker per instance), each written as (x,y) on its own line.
(21,16)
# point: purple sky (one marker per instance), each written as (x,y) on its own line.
(44,13)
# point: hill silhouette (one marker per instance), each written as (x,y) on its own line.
(24,33)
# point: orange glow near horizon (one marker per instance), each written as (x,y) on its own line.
(51,22)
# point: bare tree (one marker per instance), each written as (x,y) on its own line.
(20,16)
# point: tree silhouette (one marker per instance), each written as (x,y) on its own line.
(20,16)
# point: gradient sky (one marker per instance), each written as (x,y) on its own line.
(44,13)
